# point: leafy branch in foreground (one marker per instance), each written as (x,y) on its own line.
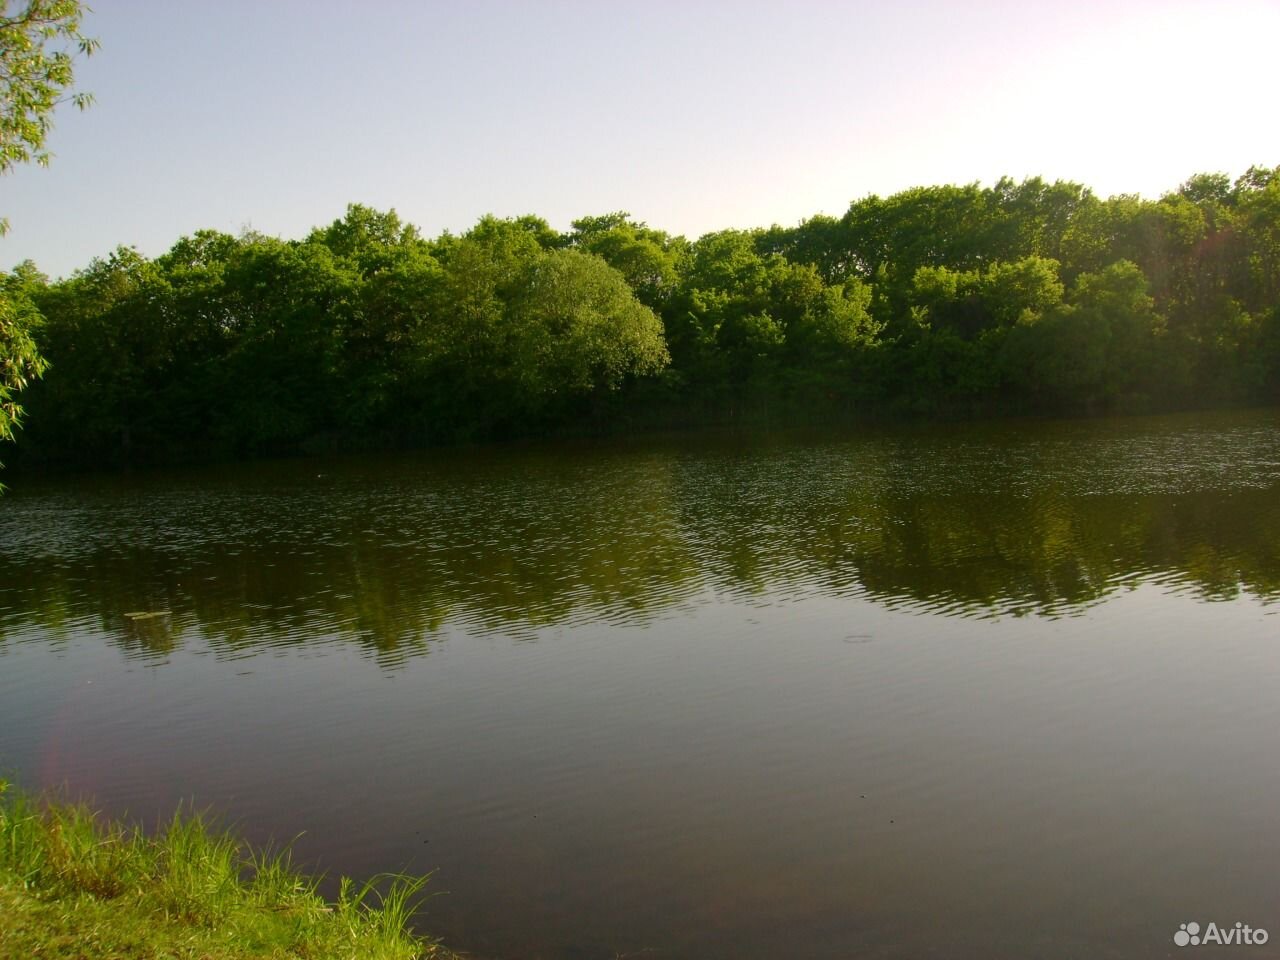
(39,43)
(20,361)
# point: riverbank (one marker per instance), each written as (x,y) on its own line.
(74,886)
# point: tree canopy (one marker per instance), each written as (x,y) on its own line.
(1017,298)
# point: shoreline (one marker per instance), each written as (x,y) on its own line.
(74,884)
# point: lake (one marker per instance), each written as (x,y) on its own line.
(978,691)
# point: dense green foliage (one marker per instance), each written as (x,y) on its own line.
(73,885)
(20,362)
(39,41)
(943,301)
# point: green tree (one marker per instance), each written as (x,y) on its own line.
(283,376)
(648,259)
(971,302)
(110,334)
(1099,350)
(39,41)
(577,327)
(20,362)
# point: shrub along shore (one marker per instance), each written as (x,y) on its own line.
(75,886)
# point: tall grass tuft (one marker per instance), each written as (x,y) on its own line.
(75,884)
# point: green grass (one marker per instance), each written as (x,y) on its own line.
(74,886)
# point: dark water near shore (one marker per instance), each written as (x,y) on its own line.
(994,690)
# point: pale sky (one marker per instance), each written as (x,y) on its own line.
(694,116)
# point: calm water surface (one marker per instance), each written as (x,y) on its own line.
(979,691)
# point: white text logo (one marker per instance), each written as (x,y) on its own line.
(1189,935)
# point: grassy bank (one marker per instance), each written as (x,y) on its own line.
(74,886)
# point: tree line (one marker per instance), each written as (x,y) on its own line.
(950,301)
